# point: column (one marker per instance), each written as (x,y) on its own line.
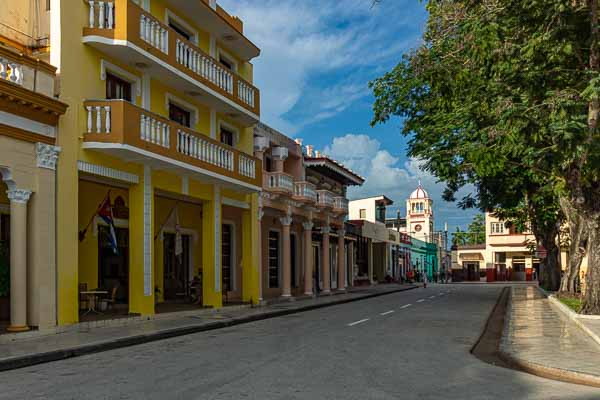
(286,223)
(308,258)
(326,267)
(351,263)
(341,261)
(370,259)
(251,251)
(211,250)
(18,259)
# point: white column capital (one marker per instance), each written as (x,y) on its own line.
(308,226)
(47,155)
(260,214)
(326,230)
(286,221)
(19,195)
(341,233)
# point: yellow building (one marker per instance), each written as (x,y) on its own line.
(159,127)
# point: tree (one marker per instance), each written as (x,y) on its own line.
(503,94)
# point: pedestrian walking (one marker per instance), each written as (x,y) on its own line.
(424,281)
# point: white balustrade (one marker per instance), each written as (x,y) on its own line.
(325,198)
(102,14)
(278,180)
(98,119)
(340,203)
(247,166)
(203,65)
(199,148)
(154,130)
(246,93)
(11,71)
(154,33)
(305,190)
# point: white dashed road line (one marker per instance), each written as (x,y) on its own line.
(420,300)
(432,297)
(358,322)
(387,312)
(406,306)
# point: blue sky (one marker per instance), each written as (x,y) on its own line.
(317,59)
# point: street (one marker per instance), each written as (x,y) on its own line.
(409,345)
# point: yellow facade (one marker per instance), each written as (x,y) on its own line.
(144,177)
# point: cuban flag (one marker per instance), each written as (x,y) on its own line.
(105,212)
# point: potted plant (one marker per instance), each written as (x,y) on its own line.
(4,282)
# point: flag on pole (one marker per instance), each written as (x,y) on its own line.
(105,212)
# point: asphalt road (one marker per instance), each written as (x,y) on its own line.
(409,345)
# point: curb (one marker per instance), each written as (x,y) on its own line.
(538,369)
(573,316)
(62,354)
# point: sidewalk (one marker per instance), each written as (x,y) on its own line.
(539,339)
(76,342)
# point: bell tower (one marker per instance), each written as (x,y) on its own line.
(419,215)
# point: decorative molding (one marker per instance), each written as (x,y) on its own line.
(235,203)
(135,80)
(106,172)
(19,195)
(47,155)
(325,230)
(308,226)
(286,221)
(27,124)
(26,136)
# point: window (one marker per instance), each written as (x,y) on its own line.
(497,228)
(226,257)
(380,213)
(268,164)
(273,259)
(177,28)
(227,136)
(180,115)
(226,63)
(362,213)
(500,258)
(117,88)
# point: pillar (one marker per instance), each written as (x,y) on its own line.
(351,263)
(18,259)
(141,245)
(308,258)
(251,256)
(341,261)
(370,259)
(286,223)
(211,250)
(326,267)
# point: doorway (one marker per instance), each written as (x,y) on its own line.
(113,268)
(176,273)
(317,282)
(227,258)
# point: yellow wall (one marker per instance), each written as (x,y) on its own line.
(158,9)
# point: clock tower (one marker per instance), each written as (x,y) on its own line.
(419,215)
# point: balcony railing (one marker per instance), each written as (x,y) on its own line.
(120,122)
(340,204)
(125,20)
(305,191)
(27,72)
(324,198)
(279,181)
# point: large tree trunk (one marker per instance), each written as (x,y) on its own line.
(577,246)
(550,277)
(591,300)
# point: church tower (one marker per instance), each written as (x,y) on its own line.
(419,215)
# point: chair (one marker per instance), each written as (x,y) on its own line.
(84,301)
(112,300)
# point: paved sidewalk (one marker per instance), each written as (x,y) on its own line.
(541,340)
(77,342)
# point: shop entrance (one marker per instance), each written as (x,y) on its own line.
(176,273)
(113,268)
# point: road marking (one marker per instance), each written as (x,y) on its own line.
(387,312)
(358,322)
(432,297)
(407,305)
(420,301)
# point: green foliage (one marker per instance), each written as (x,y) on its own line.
(475,233)
(572,302)
(4,270)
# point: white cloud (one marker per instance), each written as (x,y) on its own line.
(386,175)
(301,40)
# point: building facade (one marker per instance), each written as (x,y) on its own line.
(305,247)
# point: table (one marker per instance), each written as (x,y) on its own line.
(92,296)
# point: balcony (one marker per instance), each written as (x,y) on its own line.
(340,205)
(305,192)
(279,182)
(126,32)
(124,130)
(324,199)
